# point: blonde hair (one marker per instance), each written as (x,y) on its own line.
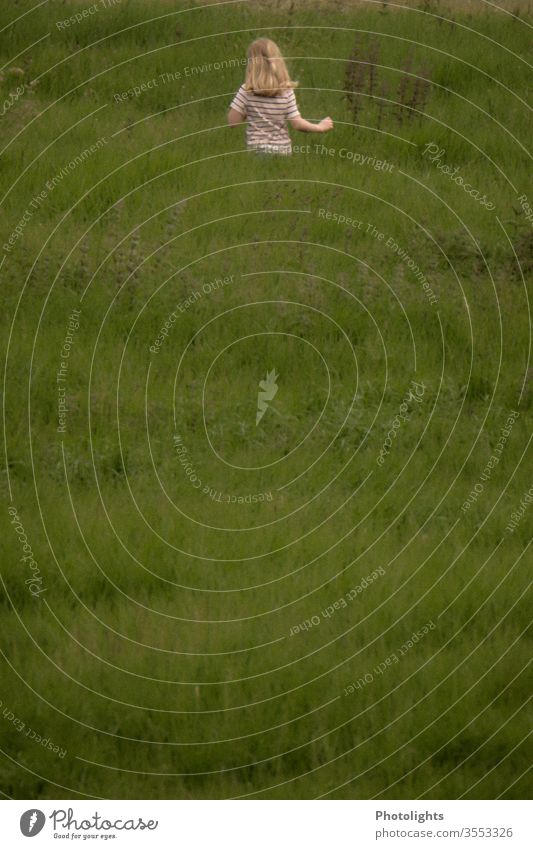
(266,72)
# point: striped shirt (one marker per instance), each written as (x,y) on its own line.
(266,117)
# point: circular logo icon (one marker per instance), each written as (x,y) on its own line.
(32,822)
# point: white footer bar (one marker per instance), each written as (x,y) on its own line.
(268,824)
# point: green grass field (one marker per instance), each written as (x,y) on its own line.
(214,608)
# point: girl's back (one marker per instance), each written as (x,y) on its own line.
(267,117)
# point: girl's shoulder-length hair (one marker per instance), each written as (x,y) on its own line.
(266,71)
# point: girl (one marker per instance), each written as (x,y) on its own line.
(266,101)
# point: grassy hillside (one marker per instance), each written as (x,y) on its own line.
(331,602)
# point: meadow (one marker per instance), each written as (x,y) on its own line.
(332,602)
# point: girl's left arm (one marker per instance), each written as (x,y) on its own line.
(235,117)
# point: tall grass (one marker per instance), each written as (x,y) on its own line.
(160,656)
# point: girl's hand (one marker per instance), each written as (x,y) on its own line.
(325,125)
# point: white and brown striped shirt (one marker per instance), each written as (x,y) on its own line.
(267,117)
